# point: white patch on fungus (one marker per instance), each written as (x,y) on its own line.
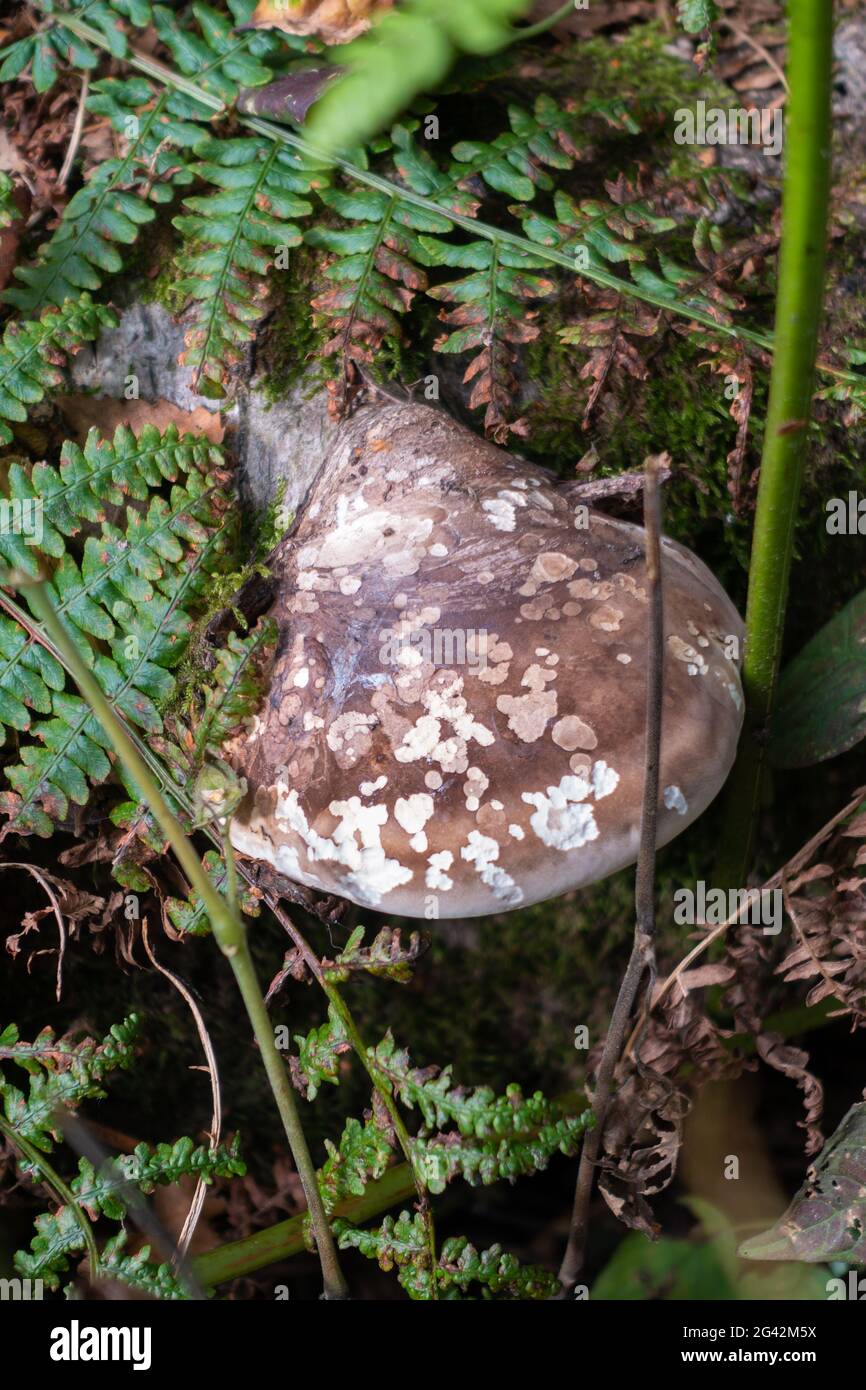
(675,801)
(436,877)
(349,737)
(413,812)
(482,851)
(370,788)
(420,740)
(604,780)
(529,715)
(474,787)
(570,732)
(562,819)
(356,844)
(682,651)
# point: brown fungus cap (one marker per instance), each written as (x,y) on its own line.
(455,724)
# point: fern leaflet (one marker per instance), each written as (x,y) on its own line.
(235,235)
(32,350)
(131,591)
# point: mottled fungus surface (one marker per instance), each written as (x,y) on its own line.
(455,722)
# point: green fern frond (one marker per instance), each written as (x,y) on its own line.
(490,319)
(232,693)
(190,916)
(514,162)
(113,206)
(139,1271)
(71,756)
(598,233)
(220,57)
(386,957)
(102,1193)
(235,687)
(63,1073)
(150,1166)
(476,1113)
(106,473)
(401,1242)
(132,591)
(140,842)
(624,230)
(378,253)
(32,350)
(55,1241)
(541,1132)
(28,676)
(42,50)
(461,1265)
(236,235)
(319,1054)
(362,1155)
(376,273)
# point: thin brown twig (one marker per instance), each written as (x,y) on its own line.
(758,48)
(195,1208)
(642,959)
(75,137)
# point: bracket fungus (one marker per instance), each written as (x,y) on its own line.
(455,721)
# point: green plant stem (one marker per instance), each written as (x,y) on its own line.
(805,200)
(153,68)
(229,931)
(45,1172)
(532,31)
(231,873)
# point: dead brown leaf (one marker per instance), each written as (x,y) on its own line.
(83,412)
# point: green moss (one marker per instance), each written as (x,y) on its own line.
(288,346)
(153,265)
(636,68)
